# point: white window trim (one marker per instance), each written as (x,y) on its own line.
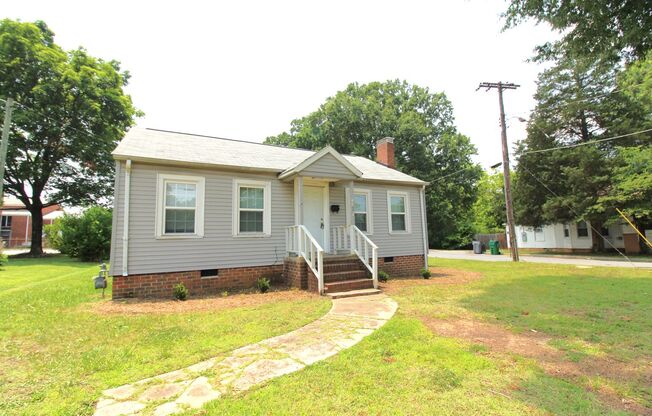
(370,215)
(406,196)
(267,209)
(161,180)
(539,236)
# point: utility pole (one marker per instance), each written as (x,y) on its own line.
(508,187)
(3,146)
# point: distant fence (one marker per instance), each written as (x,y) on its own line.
(484,239)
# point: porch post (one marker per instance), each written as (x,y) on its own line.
(348,202)
(298,200)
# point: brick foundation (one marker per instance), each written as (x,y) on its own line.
(160,285)
(294,271)
(297,274)
(402,266)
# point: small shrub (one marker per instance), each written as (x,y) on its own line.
(425,273)
(86,236)
(383,276)
(3,257)
(263,284)
(180,292)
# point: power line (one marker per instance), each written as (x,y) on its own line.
(585,143)
(451,174)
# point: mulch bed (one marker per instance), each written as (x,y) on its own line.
(215,303)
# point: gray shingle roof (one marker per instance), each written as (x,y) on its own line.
(161,146)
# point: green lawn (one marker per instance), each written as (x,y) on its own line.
(404,368)
(57,355)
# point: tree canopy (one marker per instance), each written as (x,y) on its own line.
(427,144)
(579,103)
(608,28)
(71,109)
(489,211)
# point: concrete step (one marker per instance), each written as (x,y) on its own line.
(353,293)
(348,285)
(345,275)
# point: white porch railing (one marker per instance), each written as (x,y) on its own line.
(299,241)
(352,239)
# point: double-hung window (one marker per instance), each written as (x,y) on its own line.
(539,235)
(398,209)
(180,206)
(362,216)
(582,229)
(251,208)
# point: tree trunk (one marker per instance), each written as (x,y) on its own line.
(36,249)
(598,240)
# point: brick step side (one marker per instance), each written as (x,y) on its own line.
(343,267)
(349,285)
(345,275)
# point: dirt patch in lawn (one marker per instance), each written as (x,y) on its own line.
(163,306)
(534,345)
(440,276)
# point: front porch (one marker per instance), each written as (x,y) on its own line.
(324,234)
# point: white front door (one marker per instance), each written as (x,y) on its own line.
(313,212)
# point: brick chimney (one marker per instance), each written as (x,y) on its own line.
(385,152)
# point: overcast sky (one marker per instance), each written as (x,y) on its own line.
(245,69)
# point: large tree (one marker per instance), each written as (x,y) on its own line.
(580,102)
(608,28)
(70,112)
(428,145)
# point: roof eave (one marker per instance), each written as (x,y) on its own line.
(183,163)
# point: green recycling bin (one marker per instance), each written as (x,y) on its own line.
(494,247)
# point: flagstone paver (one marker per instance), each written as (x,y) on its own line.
(346,324)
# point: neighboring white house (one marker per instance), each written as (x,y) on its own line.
(574,237)
(214,213)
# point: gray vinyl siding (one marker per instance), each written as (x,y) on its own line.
(328,167)
(389,244)
(219,248)
(336,196)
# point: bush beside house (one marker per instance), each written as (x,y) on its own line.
(86,236)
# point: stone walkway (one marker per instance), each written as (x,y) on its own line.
(348,321)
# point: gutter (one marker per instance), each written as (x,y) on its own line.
(424,225)
(125,221)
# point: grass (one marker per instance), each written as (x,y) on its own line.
(405,369)
(57,355)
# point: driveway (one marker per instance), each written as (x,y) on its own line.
(578,261)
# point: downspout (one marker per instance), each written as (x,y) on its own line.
(125,221)
(424,225)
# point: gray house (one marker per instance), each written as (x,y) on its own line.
(215,213)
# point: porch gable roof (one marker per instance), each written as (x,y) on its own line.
(312,159)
